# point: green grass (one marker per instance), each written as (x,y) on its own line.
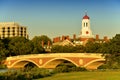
(98,75)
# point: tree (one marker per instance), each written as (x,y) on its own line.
(38,49)
(57,48)
(92,47)
(112,48)
(20,46)
(79,49)
(39,39)
(3,51)
(37,42)
(67,49)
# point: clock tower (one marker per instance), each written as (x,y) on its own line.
(86,32)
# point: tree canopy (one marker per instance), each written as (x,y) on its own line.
(112,48)
(68,49)
(39,39)
(21,46)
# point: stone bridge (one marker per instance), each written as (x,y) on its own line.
(51,60)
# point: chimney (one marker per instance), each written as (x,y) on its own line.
(74,36)
(48,43)
(54,40)
(67,37)
(63,38)
(58,39)
(97,37)
(105,38)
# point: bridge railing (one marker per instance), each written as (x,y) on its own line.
(95,55)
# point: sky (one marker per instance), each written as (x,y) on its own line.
(62,17)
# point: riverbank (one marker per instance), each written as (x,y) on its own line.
(91,75)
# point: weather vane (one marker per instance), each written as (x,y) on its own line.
(85,12)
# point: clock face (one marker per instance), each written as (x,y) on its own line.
(87,32)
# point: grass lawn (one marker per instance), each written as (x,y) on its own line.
(98,75)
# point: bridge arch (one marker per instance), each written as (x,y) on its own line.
(21,63)
(94,64)
(56,61)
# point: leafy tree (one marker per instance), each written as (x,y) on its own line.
(3,51)
(67,49)
(105,49)
(39,39)
(56,48)
(112,48)
(79,49)
(92,47)
(20,46)
(38,49)
(6,42)
(37,42)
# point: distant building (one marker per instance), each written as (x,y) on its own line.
(86,32)
(64,43)
(85,36)
(12,29)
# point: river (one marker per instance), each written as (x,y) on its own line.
(3,70)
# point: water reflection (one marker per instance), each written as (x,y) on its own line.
(3,70)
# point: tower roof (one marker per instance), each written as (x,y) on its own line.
(86,17)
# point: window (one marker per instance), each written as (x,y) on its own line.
(8,29)
(13,27)
(21,35)
(13,34)
(86,24)
(8,33)
(25,29)
(25,32)
(21,29)
(24,35)
(3,29)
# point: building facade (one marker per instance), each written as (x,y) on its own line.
(12,29)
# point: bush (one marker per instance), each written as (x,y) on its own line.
(68,67)
(25,74)
(81,69)
(40,73)
(104,66)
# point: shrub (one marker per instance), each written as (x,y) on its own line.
(103,66)
(25,74)
(68,67)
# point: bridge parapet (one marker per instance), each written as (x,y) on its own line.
(85,55)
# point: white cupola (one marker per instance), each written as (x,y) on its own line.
(86,31)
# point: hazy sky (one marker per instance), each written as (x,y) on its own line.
(62,17)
